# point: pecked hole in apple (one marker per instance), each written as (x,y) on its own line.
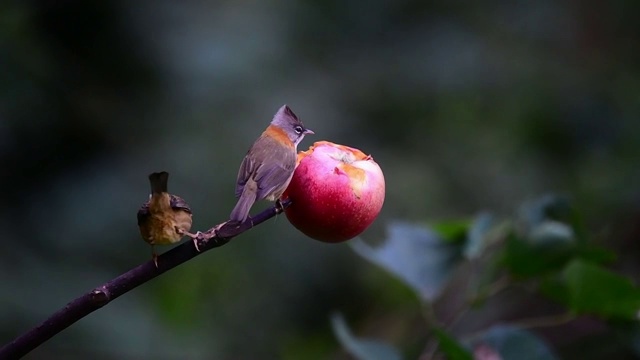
(344,157)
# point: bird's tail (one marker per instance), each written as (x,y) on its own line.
(158,181)
(241,211)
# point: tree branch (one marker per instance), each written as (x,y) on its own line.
(104,294)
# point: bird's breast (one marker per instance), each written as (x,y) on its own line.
(162,227)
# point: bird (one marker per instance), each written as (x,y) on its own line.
(164,219)
(268,166)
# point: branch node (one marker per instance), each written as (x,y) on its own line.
(100,296)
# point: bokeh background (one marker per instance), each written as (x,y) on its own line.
(467,106)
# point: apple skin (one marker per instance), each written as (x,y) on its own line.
(336,192)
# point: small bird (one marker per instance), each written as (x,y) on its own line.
(268,166)
(165,218)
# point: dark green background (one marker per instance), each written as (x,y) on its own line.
(466,106)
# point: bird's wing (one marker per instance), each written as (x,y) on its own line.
(246,171)
(177,203)
(277,166)
(143,212)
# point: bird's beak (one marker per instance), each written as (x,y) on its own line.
(308,132)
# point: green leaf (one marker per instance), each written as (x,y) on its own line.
(589,288)
(524,259)
(363,349)
(454,231)
(450,347)
(595,254)
(511,343)
(549,250)
(416,255)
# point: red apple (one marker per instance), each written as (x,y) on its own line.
(336,192)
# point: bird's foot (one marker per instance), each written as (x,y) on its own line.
(279,207)
(199,236)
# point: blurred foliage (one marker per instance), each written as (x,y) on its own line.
(362,348)
(468,107)
(552,266)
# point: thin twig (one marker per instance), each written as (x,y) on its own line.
(431,346)
(104,294)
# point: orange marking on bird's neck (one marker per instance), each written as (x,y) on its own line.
(278,134)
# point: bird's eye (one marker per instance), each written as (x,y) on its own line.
(298,129)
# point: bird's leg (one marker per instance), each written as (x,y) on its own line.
(279,207)
(195,237)
(186,233)
(154,256)
(200,236)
